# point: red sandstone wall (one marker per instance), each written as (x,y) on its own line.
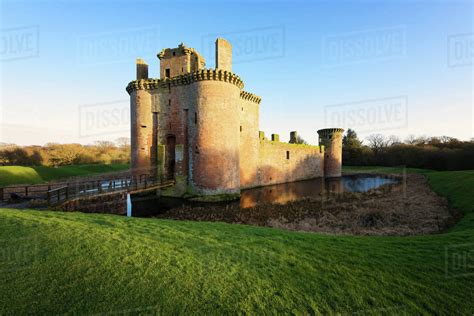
(333,157)
(214,140)
(249,143)
(142,144)
(332,140)
(171,105)
(178,65)
(305,162)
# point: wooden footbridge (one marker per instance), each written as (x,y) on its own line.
(59,192)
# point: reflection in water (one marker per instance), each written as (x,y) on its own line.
(277,194)
(364,183)
(286,192)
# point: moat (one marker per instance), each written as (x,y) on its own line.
(363,204)
(273,194)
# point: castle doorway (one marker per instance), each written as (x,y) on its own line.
(170,156)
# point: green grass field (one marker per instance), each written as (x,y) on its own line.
(10,175)
(53,262)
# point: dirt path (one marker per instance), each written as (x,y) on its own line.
(408,208)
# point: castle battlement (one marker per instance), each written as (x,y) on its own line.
(199,127)
(250,97)
(202,74)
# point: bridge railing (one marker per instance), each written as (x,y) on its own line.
(59,192)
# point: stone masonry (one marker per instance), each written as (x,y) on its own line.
(199,127)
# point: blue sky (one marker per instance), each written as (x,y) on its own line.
(392,67)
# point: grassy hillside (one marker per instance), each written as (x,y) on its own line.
(10,175)
(54,262)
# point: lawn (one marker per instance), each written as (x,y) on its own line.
(10,175)
(52,262)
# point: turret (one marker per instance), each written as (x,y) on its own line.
(331,139)
(179,61)
(142,144)
(215,131)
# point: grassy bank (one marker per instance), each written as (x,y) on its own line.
(55,262)
(10,175)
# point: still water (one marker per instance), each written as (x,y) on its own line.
(277,194)
(287,192)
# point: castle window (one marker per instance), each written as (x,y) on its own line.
(167,73)
(169,102)
(287,155)
(241,128)
(174,53)
(195,118)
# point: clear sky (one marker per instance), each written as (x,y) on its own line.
(390,67)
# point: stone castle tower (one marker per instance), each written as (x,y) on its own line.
(199,127)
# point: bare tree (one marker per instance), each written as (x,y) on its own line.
(123,142)
(393,140)
(411,139)
(377,142)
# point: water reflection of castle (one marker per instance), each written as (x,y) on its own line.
(315,189)
(292,191)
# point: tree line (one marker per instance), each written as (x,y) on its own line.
(54,154)
(438,153)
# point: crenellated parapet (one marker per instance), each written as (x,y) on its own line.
(182,49)
(327,132)
(202,74)
(250,97)
(143,84)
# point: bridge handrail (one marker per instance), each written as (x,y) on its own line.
(71,189)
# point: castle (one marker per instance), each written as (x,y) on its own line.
(199,127)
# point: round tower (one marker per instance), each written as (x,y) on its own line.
(331,139)
(141,121)
(215,134)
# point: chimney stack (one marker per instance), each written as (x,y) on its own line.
(293,137)
(142,69)
(223,54)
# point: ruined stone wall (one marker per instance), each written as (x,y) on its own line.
(179,61)
(214,137)
(177,65)
(249,142)
(283,162)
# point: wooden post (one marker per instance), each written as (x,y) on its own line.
(26,190)
(1,194)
